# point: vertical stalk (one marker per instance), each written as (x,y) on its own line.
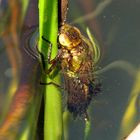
(48,27)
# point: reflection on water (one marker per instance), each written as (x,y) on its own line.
(118,30)
(115,112)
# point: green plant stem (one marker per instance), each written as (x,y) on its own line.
(48,27)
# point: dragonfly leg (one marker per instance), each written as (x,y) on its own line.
(52,83)
(53,62)
(50,48)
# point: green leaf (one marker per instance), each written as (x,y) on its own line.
(48,28)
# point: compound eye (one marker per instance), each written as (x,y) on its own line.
(64,40)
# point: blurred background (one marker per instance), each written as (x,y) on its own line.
(114,112)
(115,24)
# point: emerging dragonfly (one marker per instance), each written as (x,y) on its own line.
(78,57)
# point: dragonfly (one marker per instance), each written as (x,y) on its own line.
(78,57)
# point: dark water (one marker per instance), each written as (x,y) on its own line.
(116,27)
(117,30)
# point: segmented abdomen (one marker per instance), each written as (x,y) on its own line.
(79,95)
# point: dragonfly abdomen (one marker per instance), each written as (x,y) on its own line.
(80,96)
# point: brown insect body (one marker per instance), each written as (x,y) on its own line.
(78,58)
(77,64)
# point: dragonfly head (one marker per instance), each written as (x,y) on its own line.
(69,36)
